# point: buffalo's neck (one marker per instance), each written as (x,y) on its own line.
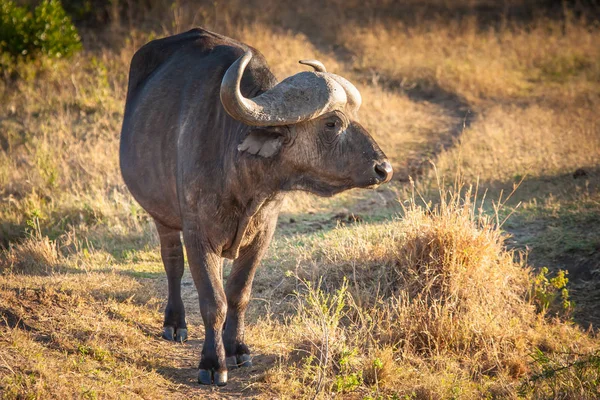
(250,179)
(253,196)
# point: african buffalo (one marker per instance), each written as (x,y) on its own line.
(211,143)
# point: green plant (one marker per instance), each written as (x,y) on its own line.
(47,30)
(347,380)
(550,294)
(563,375)
(320,312)
(15,25)
(33,223)
(347,383)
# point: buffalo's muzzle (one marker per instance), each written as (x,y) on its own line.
(384,171)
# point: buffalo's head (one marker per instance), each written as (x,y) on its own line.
(308,121)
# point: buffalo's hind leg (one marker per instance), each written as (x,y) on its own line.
(238,290)
(171,251)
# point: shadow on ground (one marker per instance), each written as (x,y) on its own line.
(185,373)
(557,224)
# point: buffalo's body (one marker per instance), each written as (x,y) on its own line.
(221,180)
(179,147)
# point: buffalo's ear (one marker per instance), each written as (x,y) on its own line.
(264,142)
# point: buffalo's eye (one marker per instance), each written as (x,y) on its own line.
(330,124)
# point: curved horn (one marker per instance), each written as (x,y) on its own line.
(354,97)
(231,97)
(298,98)
(316,64)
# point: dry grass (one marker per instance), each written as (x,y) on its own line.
(508,143)
(83,335)
(427,305)
(510,62)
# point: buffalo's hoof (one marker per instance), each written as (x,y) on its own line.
(181,335)
(208,377)
(205,377)
(168,333)
(241,361)
(244,360)
(231,362)
(220,378)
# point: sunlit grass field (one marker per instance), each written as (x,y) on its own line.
(431,287)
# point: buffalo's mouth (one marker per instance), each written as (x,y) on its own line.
(324,189)
(372,178)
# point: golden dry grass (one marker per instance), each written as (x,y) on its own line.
(510,142)
(427,305)
(435,291)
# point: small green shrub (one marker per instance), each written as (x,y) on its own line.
(47,30)
(14,28)
(347,379)
(345,383)
(550,294)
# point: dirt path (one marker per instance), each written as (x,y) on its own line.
(185,375)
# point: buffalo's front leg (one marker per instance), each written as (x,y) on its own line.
(171,250)
(238,289)
(206,268)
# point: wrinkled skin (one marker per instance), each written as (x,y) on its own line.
(198,171)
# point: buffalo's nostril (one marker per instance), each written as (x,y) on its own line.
(384,171)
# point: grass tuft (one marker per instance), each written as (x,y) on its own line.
(432,294)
